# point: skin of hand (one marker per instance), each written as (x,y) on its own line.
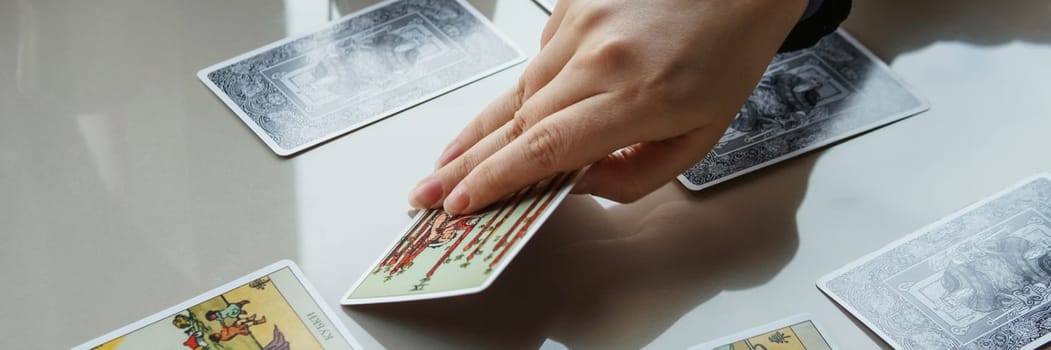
(638,90)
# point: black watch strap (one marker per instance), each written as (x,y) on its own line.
(820,19)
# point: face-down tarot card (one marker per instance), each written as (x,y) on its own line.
(299,92)
(977,279)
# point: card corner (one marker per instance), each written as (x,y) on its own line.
(202,74)
(689,185)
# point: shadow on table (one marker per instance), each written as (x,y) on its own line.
(617,278)
(890,28)
(893,27)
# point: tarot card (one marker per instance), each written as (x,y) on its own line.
(806,100)
(799,332)
(548,5)
(1043,343)
(978,279)
(440,255)
(273,309)
(299,92)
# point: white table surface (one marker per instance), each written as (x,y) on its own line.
(128,187)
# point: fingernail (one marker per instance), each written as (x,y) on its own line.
(451,152)
(458,200)
(427,193)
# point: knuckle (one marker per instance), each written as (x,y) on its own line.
(528,84)
(612,54)
(515,127)
(462,165)
(637,95)
(674,84)
(477,130)
(520,93)
(668,86)
(670,105)
(485,127)
(485,178)
(543,148)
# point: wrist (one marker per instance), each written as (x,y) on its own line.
(779,13)
(794,10)
(774,19)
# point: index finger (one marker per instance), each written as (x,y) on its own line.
(567,140)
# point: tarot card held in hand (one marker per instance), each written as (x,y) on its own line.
(270,309)
(799,332)
(806,100)
(299,92)
(441,255)
(978,279)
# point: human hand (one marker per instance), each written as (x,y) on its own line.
(639,90)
